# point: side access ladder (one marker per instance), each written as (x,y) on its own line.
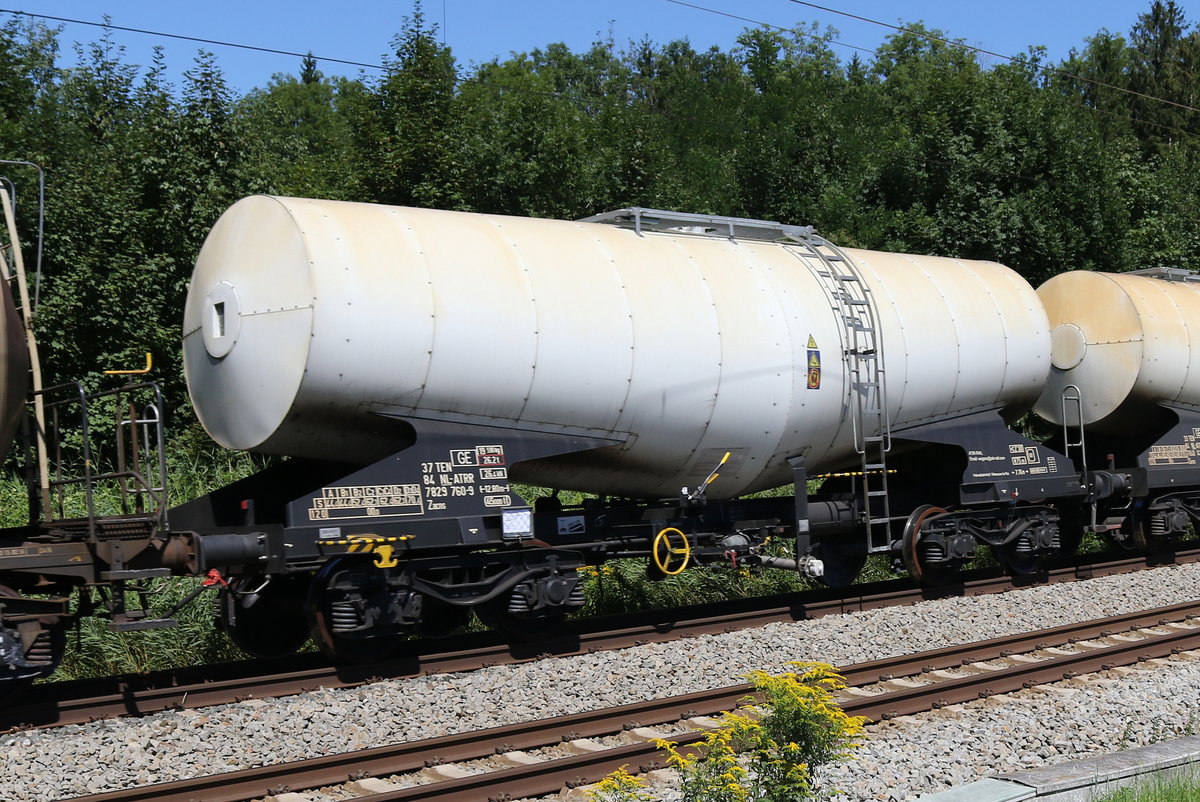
(854,304)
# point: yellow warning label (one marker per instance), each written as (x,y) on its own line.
(814,379)
(811,342)
(814,359)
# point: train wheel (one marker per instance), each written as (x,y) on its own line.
(345,603)
(441,620)
(1018,563)
(265,620)
(913,553)
(40,658)
(519,626)
(1139,539)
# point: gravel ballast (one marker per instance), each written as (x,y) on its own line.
(900,760)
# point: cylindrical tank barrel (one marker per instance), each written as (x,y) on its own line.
(1128,342)
(309,323)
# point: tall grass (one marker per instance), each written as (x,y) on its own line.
(1181,787)
(624,586)
(92,648)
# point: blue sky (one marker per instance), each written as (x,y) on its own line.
(479,30)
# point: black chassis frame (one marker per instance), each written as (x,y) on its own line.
(439,505)
(1165,500)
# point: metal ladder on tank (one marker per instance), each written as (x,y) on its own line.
(852,300)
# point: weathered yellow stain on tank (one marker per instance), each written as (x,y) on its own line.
(1128,341)
(681,346)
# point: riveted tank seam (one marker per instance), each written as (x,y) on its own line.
(955,324)
(405,227)
(830,445)
(533,305)
(992,307)
(702,429)
(613,263)
(773,287)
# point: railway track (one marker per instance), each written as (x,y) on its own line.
(56,704)
(881,689)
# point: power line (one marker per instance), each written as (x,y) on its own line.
(198,39)
(761,24)
(1014,60)
(479,80)
(953,43)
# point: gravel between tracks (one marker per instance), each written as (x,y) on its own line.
(901,760)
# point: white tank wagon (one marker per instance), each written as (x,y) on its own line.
(631,355)
(309,322)
(1129,343)
(1125,385)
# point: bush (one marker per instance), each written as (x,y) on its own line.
(771,758)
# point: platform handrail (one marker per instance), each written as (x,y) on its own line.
(140,471)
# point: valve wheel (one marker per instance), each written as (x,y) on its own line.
(672,551)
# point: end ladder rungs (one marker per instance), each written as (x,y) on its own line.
(872,466)
(880,521)
(876,493)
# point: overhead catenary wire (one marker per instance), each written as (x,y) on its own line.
(959,44)
(827,39)
(1013,59)
(781,28)
(198,39)
(683,3)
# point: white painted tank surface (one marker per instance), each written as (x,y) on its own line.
(308,320)
(1127,341)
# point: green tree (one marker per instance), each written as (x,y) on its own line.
(303,143)
(407,136)
(1165,58)
(27,54)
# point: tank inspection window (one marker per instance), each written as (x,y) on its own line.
(218,319)
(224,319)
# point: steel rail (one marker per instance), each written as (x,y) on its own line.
(550,776)
(57,704)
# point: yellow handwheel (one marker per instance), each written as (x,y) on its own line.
(666,547)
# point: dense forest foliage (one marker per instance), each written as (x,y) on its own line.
(924,147)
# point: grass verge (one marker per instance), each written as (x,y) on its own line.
(1180,787)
